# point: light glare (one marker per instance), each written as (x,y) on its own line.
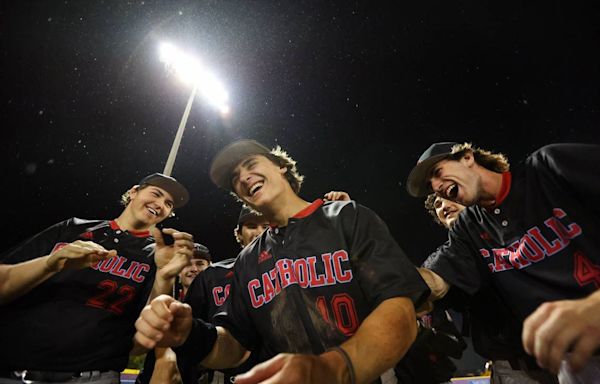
(191,71)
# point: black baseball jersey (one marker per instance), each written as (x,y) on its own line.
(210,289)
(308,286)
(78,320)
(542,240)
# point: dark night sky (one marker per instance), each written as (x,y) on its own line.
(354,91)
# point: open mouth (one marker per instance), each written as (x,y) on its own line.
(255,188)
(452,191)
(152,211)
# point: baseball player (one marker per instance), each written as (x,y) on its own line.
(74,321)
(495,334)
(326,290)
(160,365)
(532,234)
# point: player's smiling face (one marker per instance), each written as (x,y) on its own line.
(150,205)
(447,211)
(190,271)
(456,180)
(257,181)
(251,229)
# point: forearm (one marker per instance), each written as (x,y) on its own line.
(163,285)
(165,367)
(227,352)
(380,342)
(18,279)
(438,286)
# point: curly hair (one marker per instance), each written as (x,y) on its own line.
(495,162)
(430,207)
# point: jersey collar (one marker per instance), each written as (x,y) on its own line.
(504,188)
(115,227)
(305,212)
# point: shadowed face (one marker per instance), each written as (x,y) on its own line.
(251,229)
(189,272)
(447,211)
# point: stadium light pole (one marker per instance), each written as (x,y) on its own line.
(190,71)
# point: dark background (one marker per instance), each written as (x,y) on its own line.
(354,91)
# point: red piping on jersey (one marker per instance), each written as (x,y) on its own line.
(308,210)
(115,226)
(504,188)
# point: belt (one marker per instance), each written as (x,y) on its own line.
(49,376)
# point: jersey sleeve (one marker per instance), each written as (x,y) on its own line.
(39,245)
(384,271)
(573,165)
(454,262)
(234,315)
(196,296)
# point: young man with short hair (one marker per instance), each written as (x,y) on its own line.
(73,319)
(326,290)
(532,233)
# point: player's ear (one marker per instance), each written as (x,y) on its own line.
(468,159)
(133,191)
(283,170)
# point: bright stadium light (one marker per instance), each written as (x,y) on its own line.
(191,71)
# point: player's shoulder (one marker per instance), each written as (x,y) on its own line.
(562,150)
(223,264)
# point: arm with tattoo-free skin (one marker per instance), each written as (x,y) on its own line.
(380,342)
(18,279)
(564,329)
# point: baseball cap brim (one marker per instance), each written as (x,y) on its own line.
(417,184)
(180,195)
(229,157)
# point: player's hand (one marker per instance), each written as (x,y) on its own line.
(288,368)
(563,329)
(78,255)
(171,259)
(337,196)
(165,322)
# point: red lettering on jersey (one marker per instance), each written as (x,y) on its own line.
(486,254)
(315,281)
(301,270)
(341,275)
(87,235)
(500,264)
(273,274)
(329,277)
(132,267)
(549,248)
(118,270)
(136,274)
(573,229)
(286,272)
(220,294)
(531,249)
(107,265)
(256,300)
(268,288)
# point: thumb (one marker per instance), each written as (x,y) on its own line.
(180,310)
(158,238)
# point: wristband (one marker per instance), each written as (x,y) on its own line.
(348,362)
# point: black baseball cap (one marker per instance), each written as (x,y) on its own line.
(229,157)
(247,213)
(201,252)
(178,192)
(417,184)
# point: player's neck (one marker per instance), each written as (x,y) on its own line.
(128,222)
(279,211)
(491,183)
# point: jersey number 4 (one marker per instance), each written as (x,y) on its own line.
(112,297)
(585,271)
(344,312)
